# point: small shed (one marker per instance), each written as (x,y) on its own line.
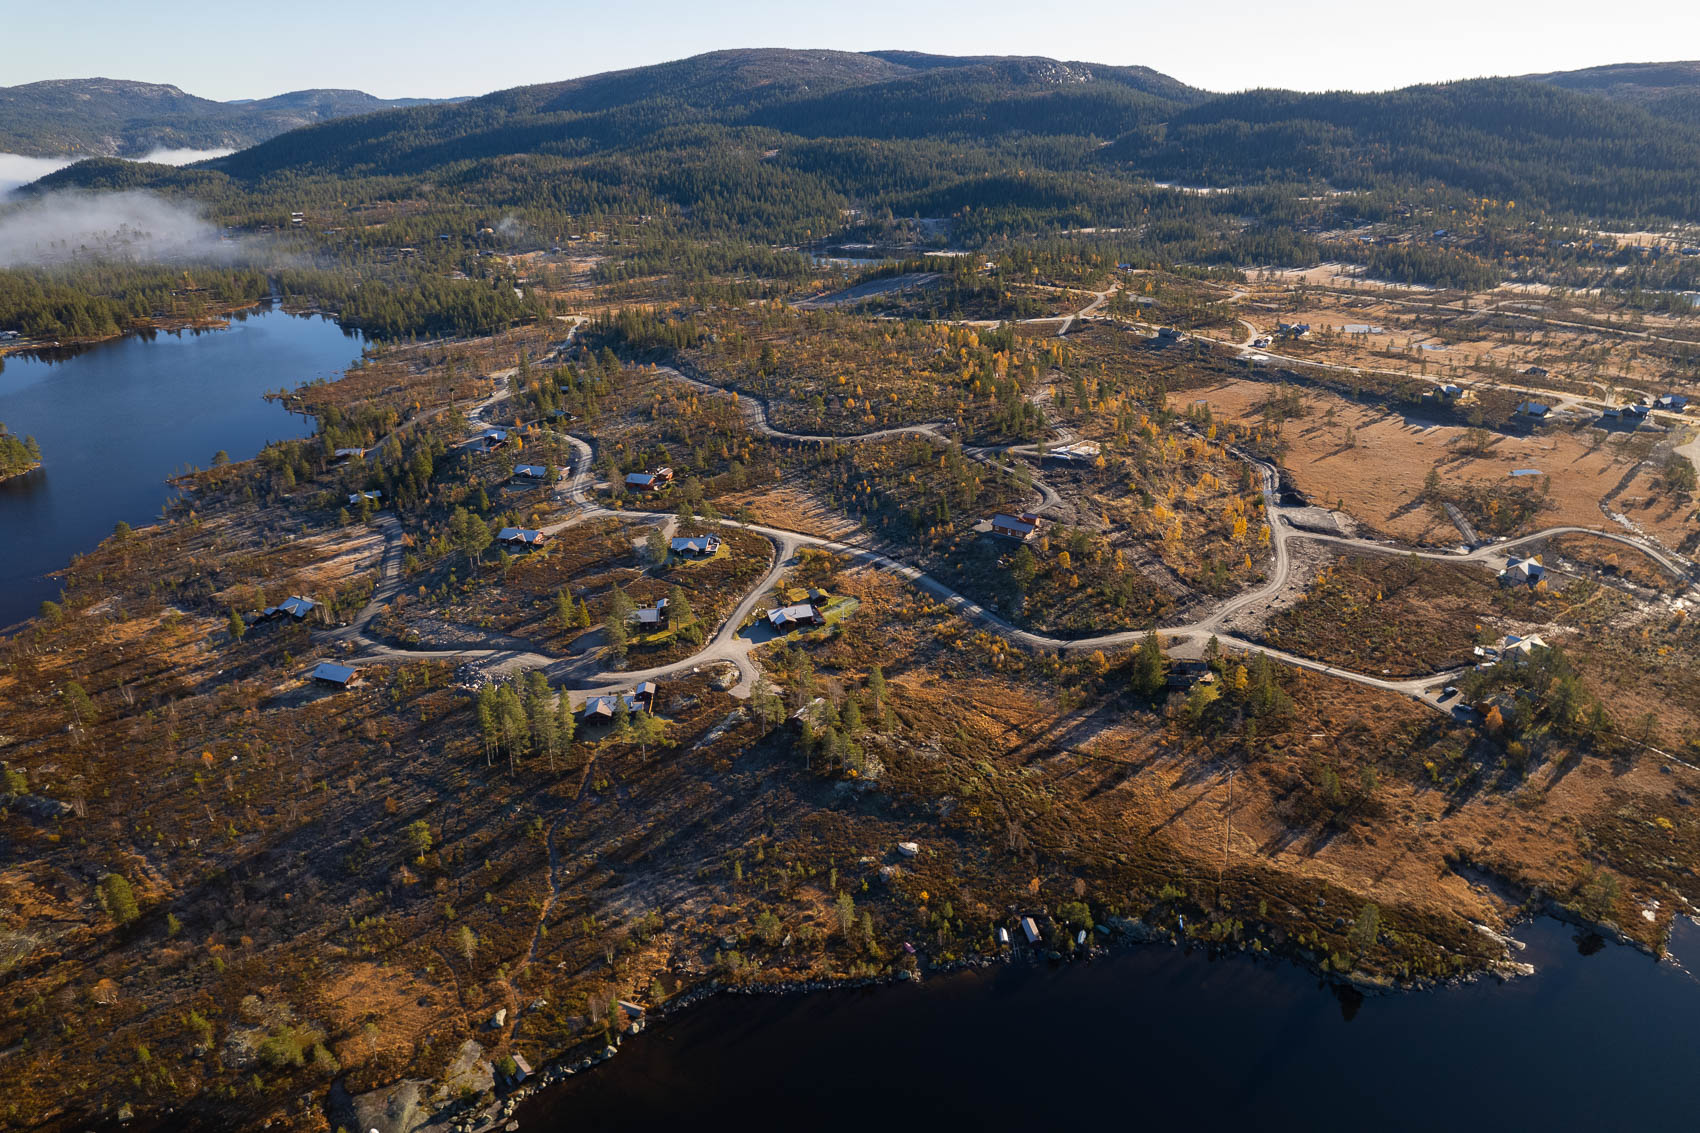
(1030,930)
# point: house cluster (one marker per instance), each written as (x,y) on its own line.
(1638,411)
(1022,528)
(524,538)
(9,335)
(1523,572)
(1292,330)
(603,708)
(695,546)
(655,480)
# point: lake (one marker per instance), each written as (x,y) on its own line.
(1597,1039)
(117,419)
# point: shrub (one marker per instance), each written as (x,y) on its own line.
(118,898)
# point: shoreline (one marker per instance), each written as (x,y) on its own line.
(1124,936)
(220,320)
(8,477)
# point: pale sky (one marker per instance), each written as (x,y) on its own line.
(437,48)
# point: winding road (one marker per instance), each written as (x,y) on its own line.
(580,677)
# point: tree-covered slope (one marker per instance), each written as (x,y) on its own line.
(790,140)
(807,93)
(1502,138)
(1670,90)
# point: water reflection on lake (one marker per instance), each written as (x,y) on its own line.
(1597,1039)
(116,420)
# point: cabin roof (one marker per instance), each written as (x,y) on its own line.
(331,671)
(519,535)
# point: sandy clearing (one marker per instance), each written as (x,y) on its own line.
(1379,478)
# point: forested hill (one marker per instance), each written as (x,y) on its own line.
(813,94)
(117,118)
(778,146)
(1671,90)
(1515,139)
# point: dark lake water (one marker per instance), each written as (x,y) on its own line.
(1599,1038)
(114,421)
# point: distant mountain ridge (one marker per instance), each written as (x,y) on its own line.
(121,118)
(797,136)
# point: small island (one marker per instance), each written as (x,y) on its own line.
(18,455)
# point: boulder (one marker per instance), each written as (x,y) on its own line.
(467,1071)
(394,1109)
(908,849)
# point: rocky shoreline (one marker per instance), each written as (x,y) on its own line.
(395,1109)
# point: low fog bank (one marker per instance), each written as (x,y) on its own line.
(135,226)
(181,156)
(17,170)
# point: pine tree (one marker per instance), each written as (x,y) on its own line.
(565,722)
(1147,678)
(686,626)
(615,632)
